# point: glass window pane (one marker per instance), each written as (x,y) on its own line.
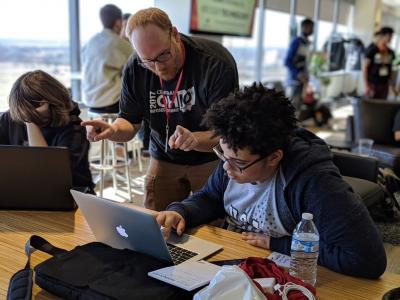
(90,22)
(31,38)
(244,52)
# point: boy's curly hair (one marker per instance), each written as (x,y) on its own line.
(256,118)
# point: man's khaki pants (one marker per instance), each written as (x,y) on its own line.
(167,182)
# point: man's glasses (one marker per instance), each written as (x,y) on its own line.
(218,151)
(161,58)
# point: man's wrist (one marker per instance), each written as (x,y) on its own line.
(205,141)
(114,129)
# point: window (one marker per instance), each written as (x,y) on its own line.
(36,38)
(244,52)
(90,22)
(32,38)
(276,44)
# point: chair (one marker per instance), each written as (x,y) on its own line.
(109,160)
(361,173)
(374,119)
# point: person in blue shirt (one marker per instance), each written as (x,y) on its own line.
(271,172)
(296,63)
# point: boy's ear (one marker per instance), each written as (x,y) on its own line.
(275,158)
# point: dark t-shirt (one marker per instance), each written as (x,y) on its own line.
(209,74)
(72,136)
(380,69)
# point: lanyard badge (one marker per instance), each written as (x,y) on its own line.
(167,108)
(165,102)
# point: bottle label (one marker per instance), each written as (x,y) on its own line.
(305,246)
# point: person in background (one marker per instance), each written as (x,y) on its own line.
(296,62)
(170,83)
(271,172)
(377,66)
(104,56)
(122,33)
(42,114)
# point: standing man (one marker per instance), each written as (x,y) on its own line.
(104,57)
(296,63)
(377,66)
(170,83)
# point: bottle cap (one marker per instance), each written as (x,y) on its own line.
(307,216)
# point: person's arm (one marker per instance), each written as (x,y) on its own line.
(392,79)
(120,131)
(349,240)
(365,66)
(206,204)
(397,136)
(35,135)
(367,61)
(184,139)
(289,60)
(206,140)
(4,128)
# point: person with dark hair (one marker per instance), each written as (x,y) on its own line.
(42,114)
(271,172)
(103,58)
(296,62)
(377,66)
(169,85)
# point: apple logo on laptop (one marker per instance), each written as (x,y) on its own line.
(121,231)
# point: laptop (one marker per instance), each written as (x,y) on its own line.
(132,227)
(35,178)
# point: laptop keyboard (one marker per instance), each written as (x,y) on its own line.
(179,254)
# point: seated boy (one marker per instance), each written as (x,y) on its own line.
(271,172)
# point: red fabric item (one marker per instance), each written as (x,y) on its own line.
(257,267)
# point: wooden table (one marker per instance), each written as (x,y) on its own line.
(66,230)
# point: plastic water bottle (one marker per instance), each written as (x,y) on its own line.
(304,250)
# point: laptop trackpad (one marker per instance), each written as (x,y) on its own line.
(175,239)
(194,244)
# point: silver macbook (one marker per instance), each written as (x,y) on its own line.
(132,227)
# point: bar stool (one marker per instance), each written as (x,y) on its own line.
(136,146)
(109,160)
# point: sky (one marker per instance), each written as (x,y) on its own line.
(48,19)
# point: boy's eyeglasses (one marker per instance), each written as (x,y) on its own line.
(218,151)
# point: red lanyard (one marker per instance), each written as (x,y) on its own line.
(165,102)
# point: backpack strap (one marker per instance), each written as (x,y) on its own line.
(20,286)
